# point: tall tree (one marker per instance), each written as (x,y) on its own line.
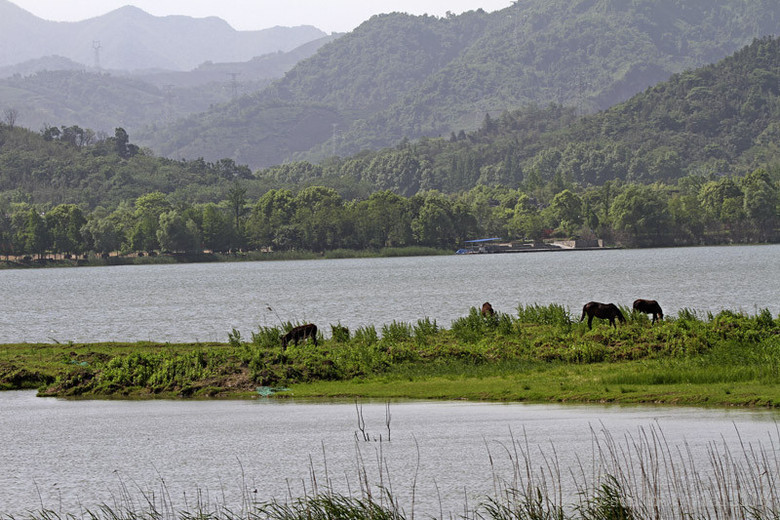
(237,201)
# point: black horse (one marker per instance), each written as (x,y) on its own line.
(302,332)
(487,309)
(605,311)
(649,307)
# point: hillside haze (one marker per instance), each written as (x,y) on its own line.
(400,76)
(56,91)
(131,39)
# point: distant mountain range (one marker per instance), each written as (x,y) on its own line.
(131,39)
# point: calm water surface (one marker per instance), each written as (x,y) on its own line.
(200,302)
(64,455)
(67,454)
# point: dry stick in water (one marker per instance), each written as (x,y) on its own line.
(387,419)
(361,422)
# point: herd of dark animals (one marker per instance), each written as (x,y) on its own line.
(610,311)
(605,311)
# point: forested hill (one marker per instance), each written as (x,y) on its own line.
(719,119)
(710,136)
(402,76)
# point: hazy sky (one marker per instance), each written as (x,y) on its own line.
(328,15)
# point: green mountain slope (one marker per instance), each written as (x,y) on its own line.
(403,76)
(692,160)
(719,119)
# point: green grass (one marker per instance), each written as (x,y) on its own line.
(538,355)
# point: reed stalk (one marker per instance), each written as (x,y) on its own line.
(637,476)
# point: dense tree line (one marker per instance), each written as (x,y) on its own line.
(76,165)
(696,210)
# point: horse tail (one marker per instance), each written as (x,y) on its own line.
(583,313)
(314,333)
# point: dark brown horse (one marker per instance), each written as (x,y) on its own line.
(649,307)
(487,309)
(605,311)
(302,332)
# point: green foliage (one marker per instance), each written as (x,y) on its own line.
(339,333)
(425,329)
(366,335)
(475,326)
(269,337)
(609,502)
(326,507)
(234,338)
(552,314)
(396,332)
(182,373)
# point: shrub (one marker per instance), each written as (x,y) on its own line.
(267,337)
(396,332)
(339,333)
(475,326)
(552,314)
(424,329)
(366,335)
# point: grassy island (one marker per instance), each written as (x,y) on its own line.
(538,354)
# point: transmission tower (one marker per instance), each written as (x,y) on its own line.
(234,82)
(96,49)
(168,90)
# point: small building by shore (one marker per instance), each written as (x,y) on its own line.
(495,245)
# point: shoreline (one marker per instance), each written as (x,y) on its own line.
(188,258)
(260,256)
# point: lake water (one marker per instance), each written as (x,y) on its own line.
(65,455)
(204,302)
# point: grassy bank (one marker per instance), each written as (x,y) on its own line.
(537,354)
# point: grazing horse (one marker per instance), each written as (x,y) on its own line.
(605,311)
(649,307)
(302,332)
(487,309)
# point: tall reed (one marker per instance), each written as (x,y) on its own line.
(640,475)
